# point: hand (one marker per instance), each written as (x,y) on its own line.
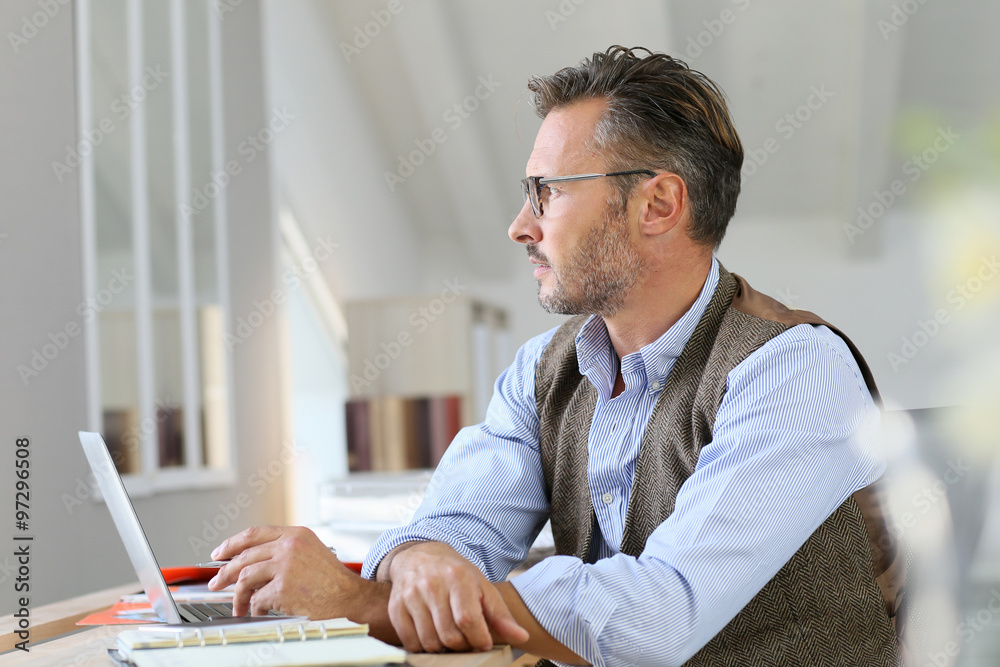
(440,600)
(289,570)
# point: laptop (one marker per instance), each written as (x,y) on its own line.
(137,546)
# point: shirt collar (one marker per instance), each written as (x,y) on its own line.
(656,359)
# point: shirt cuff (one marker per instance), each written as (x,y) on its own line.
(569,602)
(421,532)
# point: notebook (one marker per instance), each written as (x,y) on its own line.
(137,546)
(336,641)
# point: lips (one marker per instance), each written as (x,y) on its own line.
(535,256)
(540,269)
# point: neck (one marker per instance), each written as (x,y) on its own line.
(658,303)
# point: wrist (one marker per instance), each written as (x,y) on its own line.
(370,605)
(383,573)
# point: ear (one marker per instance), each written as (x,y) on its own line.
(663,204)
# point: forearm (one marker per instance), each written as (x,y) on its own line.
(540,643)
(373,608)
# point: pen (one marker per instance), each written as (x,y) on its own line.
(220,563)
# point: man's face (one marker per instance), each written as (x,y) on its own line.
(585,258)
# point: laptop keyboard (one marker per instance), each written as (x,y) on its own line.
(205,611)
(199,612)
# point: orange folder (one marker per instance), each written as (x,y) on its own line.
(172,575)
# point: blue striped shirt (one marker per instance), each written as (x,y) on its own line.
(793,437)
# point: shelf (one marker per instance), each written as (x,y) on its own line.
(420,369)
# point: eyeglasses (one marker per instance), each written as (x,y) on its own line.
(531,187)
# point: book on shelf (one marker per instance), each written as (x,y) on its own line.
(359,451)
(391,433)
(393,443)
(445,423)
(170,435)
(271,643)
(121,429)
(419,449)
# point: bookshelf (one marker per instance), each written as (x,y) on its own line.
(420,369)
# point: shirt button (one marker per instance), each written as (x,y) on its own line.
(607,498)
(655,385)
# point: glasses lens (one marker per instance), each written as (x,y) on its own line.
(529,188)
(533,188)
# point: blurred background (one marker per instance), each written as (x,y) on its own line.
(261,246)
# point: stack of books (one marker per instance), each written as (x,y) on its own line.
(391,433)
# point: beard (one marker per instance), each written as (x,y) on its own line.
(598,274)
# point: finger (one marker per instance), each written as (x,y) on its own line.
(424,624)
(241,601)
(402,623)
(252,578)
(248,538)
(467,610)
(230,572)
(446,630)
(261,601)
(499,618)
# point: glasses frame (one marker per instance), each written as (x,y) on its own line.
(531,187)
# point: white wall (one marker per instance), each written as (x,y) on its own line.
(40,269)
(327,167)
(40,261)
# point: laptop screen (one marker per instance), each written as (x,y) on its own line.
(129,528)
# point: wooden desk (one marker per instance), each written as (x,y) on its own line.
(58,618)
(83,647)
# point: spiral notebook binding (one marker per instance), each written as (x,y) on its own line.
(280,632)
(289,644)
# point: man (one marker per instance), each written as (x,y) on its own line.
(707,456)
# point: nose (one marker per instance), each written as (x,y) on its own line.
(525,227)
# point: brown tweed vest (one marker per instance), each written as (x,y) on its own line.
(834,602)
